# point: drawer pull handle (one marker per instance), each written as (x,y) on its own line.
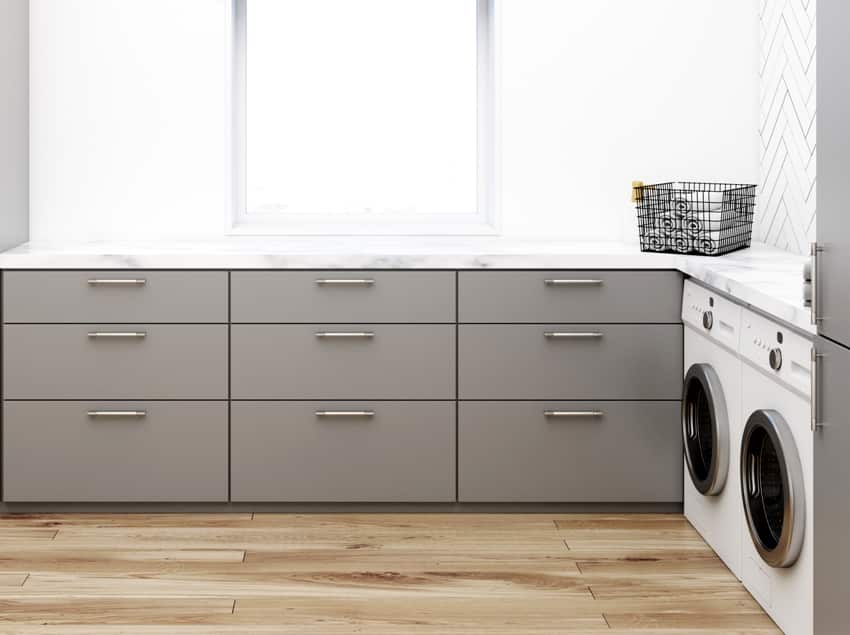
(574,414)
(573,283)
(117,282)
(552,335)
(118,335)
(349,335)
(345,282)
(345,413)
(136,414)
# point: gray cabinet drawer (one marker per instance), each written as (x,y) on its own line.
(67,362)
(343,296)
(583,361)
(403,452)
(115,296)
(57,452)
(569,296)
(513,452)
(292,362)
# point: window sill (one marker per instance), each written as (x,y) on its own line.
(260,226)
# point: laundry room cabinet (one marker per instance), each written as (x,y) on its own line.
(832,297)
(831,487)
(341,386)
(832,310)
(569,385)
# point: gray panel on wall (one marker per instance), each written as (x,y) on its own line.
(785,216)
(833,231)
(831,499)
(14,122)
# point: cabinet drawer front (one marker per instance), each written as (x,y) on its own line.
(569,296)
(115,296)
(606,451)
(110,452)
(358,362)
(115,361)
(350,452)
(343,296)
(577,362)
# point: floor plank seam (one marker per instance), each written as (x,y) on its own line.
(566,545)
(244,555)
(26,577)
(578,566)
(607,623)
(233,608)
(590,590)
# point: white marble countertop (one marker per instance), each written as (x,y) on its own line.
(763,277)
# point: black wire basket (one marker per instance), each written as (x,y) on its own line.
(710,219)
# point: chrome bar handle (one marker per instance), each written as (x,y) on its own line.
(554,335)
(135,282)
(572,283)
(118,335)
(345,282)
(345,335)
(816,357)
(573,414)
(815,250)
(345,413)
(137,414)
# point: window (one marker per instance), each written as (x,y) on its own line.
(364,116)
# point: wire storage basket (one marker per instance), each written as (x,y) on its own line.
(689,217)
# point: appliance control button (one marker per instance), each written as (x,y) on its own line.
(775,358)
(708,320)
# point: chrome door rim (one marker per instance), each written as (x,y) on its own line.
(769,426)
(710,481)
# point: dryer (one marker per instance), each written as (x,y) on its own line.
(711,421)
(777,465)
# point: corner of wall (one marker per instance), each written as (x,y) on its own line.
(14,123)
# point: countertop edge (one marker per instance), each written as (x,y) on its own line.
(763,278)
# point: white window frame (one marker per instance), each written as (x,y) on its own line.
(484,221)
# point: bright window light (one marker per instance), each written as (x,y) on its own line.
(362,113)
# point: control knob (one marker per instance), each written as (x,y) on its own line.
(776,358)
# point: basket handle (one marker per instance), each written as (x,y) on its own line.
(637,191)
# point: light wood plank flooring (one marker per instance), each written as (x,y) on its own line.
(366,573)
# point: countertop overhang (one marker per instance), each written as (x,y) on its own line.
(763,277)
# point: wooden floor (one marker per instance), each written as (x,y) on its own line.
(366,573)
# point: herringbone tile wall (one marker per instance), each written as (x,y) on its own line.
(787,201)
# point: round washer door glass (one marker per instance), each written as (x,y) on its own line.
(772,488)
(705,429)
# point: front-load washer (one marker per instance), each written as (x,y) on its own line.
(776,464)
(711,421)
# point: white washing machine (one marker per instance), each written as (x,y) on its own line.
(711,421)
(776,466)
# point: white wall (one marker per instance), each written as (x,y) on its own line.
(128,112)
(599,93)
(128,118)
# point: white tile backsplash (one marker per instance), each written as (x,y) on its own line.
(786,212)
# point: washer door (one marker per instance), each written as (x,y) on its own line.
(772,488)
(705,429)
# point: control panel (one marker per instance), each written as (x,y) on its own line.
(777,351)
(712,315)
